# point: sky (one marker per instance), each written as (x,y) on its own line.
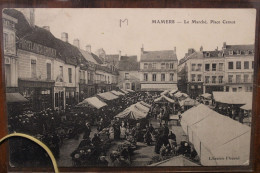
(101,28)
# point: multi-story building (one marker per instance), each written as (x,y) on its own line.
(214,71)
(158,70)
(239,67)
(10,55)
(129,73)
(190,73)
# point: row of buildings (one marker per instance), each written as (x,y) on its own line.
(230,69)
(51,72)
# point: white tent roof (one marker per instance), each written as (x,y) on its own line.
(129,90)
(132,113)
(173,91)
(180,94)
(93,101)
(145,104)
(176,161)
(124,91)
(233,97)
(216,135)
(142,107)
(164,92)
(247,106)
(164,98)
(206,95)
(188,102)
(108,96)
(117,93)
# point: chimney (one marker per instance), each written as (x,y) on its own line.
(88,48)
(175,49)
(216,48)
(64,37)
(142,49)
(46,28)
(76,42)
(29,15)
(201,48)
(224,45)
(119,56)
(190,51)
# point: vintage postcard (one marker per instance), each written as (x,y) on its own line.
(129,87)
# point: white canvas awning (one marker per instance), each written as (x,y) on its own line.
(117,93)
(164,98)
(206,95)
(15,98)
(188,102)
(108,96)
(164,92)
(216,136)
(132,113)
(247,106)
(145,104)
(233,97)
(93,101)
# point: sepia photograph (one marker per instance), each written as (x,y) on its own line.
(129,87)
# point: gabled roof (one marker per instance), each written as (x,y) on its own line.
(194,55)
(97,59)
(64,51)
(242,48)
(211,54)
(128,65)
(88,56)
(162,55)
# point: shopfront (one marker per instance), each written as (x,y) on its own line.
(71,96)
(59,97)
(38,93)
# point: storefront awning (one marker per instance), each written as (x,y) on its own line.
(117,93)
(15,98)
(163,98)
(93,101)
(108,96)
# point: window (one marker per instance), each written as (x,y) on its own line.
(206,79)
(193,77)
(230,78)
(246,78)
(230,65)
(247,52)
(70,74)
(154,66)
(238,52)
(193,66)
(162,65)
(145,77)
(206,67)
(171,65)
(252,78)
(220,79)
(150,66)
(253,65)
(171,76)
(61,71)
(199,77)
(214,67)
(162,77)
(234,89)
(214,79)
(239,89)
(145,66)
(167,65)
(48,71)
(33,68)
(208,54)
(227,88)
(230,52)
(238,78)
(199,67)
(246,65)
(221,66)
(127,85)
(126,76)
(154,77)
(238,65)
(5,41)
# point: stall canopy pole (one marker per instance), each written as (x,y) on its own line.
(200,149)
(188,133)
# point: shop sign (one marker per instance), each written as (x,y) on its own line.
(36,48)
(57,89)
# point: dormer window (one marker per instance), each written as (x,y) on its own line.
(247,52)
(223,54)
(238,52)
(207,54)
(230,52)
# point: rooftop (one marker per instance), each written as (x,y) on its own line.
(162,55)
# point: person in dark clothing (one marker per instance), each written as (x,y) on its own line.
(85,142)
(96,140)
(151,129)
(165,129)
(87,131)
(102,161)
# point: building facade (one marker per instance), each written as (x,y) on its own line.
(158,70)
(239,67)
(10,54)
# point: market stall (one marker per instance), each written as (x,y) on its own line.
(92,101)
(188,103)
(107,96)
(117,93)
(216,136)
(164,99)
(165,92)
